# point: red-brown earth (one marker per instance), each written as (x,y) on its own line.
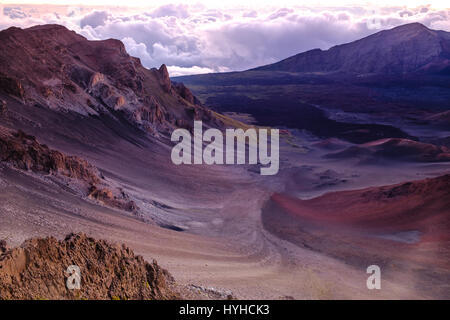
(403,228)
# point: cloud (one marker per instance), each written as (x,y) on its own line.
(94,19)
(250,14)
(199,39)
(14,12)
(181,71)
(171,10)
(283,12)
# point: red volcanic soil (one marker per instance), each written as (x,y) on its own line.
(395,149)
(419,205)
(402,228)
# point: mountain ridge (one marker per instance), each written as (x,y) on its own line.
(53,67)
(403,49)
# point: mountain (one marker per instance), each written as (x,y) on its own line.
(404,49)
(366,90)
(55,68)
(63,97)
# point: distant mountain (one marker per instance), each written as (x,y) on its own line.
(376,77)
(404,49)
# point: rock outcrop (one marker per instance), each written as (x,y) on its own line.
(107,197)
(164,78)
(24,152)
(184,92)
(38,270)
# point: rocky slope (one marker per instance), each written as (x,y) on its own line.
(37,270)
(24,152)
(55,83)
(53,67)
(407,48)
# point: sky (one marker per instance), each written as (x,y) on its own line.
(193,37)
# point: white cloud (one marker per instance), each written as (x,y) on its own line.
(171,10)
(14,12)
(181,71)
(94,19)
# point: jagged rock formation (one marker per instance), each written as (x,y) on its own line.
(24,152)
(184,92)
(165,80)
(407,48)
(107,197)
(37,270)
(51,66)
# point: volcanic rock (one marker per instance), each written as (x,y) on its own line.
(24,152)
(184,92)
(165,80)
(106,196)
(3,246)
(38,270)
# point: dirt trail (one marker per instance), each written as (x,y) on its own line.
(237,255)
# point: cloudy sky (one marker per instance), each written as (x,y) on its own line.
(206,36)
